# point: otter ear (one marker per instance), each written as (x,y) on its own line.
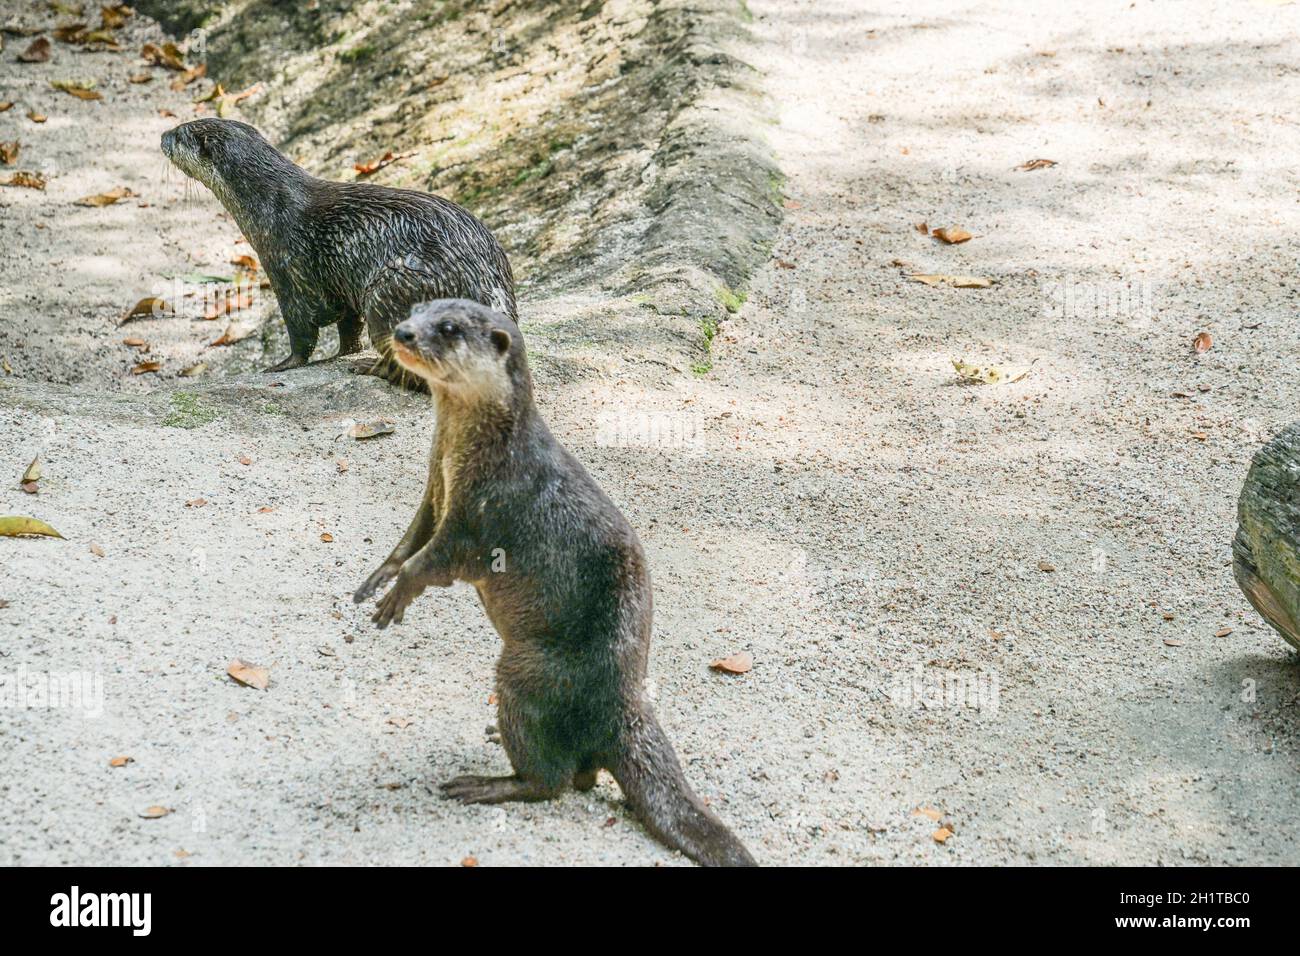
(501,339)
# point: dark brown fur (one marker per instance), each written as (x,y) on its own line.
(356,254)
(560,573)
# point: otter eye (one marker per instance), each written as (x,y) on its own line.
(448,328)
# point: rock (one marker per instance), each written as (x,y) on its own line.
(1266,552)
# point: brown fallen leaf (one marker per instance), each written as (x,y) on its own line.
(105,199)
(951,235)
(136,343)
(36,117)
(370,429)
(265,510)
(327,537)
(154,812)
(957,282)
(1223,632)
(9,152)
(931,812)
(18,526)
(189,76)
(923,228)
(1033,164)
(1047,566)
(168,55)
(250,675)
(140,78)
(245,262)
(469,861)
(81,91)
(96,550)
(114,15)
(144,368)
(245,460)
(1200,436)
(195,370)
(941,835)
(37,52)
(236,302)
(234,333)
(401,723)
(196,503)
(121,761)
(1173,642)
(368,169)
(1202,343)
(71,32)
(739,663)
(150,306)
(6,105)
(25,179)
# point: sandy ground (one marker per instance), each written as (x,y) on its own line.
(826,498)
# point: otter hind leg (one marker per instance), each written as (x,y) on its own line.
(350,329)
(472,789)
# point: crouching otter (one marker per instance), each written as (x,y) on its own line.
(560,573)
(352,253)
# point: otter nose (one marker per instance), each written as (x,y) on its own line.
(404,334)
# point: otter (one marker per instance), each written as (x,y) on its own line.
(352,253)
(560,573)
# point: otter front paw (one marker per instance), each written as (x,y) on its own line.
(392,606)
(293,361)
(377,581)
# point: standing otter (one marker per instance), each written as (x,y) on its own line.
(352,253)
(560,573)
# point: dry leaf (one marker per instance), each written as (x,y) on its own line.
(25,179)
(9,152)
(250,675)
(957,282)
(327,537)
(151,306)
(106,199)
(81,91)
(29,487)
(234,333)
(195,370)
(236,302)
(952,235)
(189,76)
(1173,642)
(370,429)
(469,861)
(366,169)
(6,105)
(738,663)
(941,835)
(1200,436)
(154,812)
(245,460)
(15,526)
(114,16)
(121,761)
(931,812)
(37,52)
(96,550)
(245,262)
(923,228)
(1036,164)
(196,503)
(1047,566)
(401,723)
(144,368)
(136,343)
(974,375)
(1202,342)
(36,117)
(1223,632)
(341,464)
(168,55)
(140,77)
(33,472)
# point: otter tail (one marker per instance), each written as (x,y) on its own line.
(653,783)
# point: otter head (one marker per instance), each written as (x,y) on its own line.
(232,159)
(465,351)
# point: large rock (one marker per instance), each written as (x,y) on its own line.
(1266,552)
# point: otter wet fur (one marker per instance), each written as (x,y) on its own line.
(560,573)
(353,253)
